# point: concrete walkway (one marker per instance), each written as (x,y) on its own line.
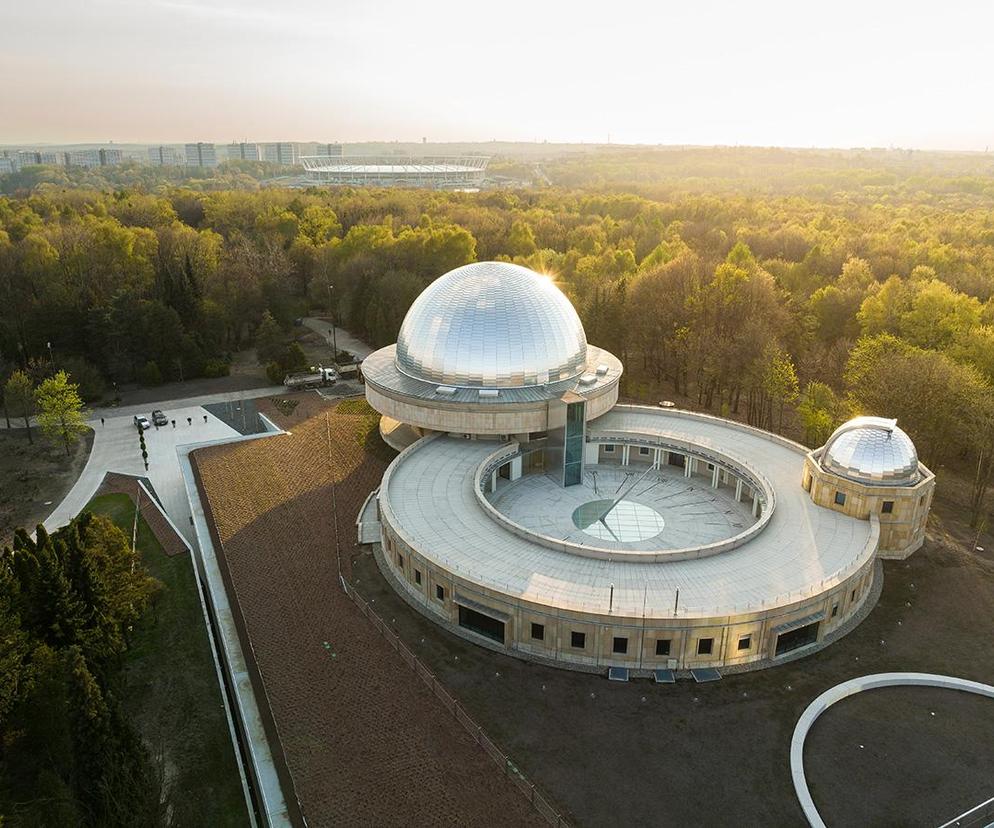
(115,448)
(850,688)
(346,342)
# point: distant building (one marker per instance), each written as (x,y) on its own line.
(329,150)
(281,152)
(243,152)
(454,172)
(83,158)
(7,165)
(201,155)
(48,157)
(110,157)
(163,156)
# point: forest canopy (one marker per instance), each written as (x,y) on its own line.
(760,283)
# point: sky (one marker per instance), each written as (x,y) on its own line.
(762,73)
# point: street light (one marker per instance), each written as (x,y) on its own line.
(334,335)
(51,357)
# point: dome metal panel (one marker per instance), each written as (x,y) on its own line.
(492,325)
(872,450)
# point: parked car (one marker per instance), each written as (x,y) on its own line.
(142,422)
(159,418)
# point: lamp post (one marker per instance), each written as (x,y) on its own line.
(334,334)
(51,356)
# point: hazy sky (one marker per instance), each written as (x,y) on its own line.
(839,73)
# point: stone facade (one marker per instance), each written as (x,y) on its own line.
(901,510)
(594,641)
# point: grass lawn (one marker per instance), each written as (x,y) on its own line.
(171,688)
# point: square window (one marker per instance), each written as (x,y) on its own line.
(643,450)
(620,644)
(840,498)
(440,592)
(704,646)
(887,507)
(745,642)
(662,646)
(609,449)
(578,640)
(417,576)
(835,610)
(538,632)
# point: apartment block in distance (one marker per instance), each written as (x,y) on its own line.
(281,152)
(201,155)
(242,151)
(163,156)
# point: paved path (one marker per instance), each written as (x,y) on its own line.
(346,342)
(115,448)
(850,688)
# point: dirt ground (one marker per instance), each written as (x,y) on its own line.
(35,478)
(934,747)
(718,754)
(364,741)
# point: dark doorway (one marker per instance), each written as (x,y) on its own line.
(504,471)
(678,460)
(801,637)
(481,624)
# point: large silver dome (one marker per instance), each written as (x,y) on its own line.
(492,325)
(871,450)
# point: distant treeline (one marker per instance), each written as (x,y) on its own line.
(856,281)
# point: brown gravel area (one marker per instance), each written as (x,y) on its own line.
(364,741)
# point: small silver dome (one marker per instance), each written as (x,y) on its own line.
(492,325)
(871,450)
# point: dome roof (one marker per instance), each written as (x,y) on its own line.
(871,450)
(492,325)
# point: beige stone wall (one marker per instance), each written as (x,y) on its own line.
(902,530)
(836,605)
(499,418)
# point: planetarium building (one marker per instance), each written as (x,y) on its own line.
(529,512)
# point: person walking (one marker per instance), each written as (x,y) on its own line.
(102,421)
(189,421)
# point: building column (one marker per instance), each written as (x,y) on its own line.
(624,455)
(664,458)
(755,504)
(716,477)
(688,466)
(738,491)
(493,481)
(515,468)
(656,454)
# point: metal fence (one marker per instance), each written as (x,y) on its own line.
(504,764)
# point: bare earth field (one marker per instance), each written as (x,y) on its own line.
(35,478)
(363,740)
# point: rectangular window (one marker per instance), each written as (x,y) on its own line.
(887,507)
(400,560)
(620,645)
(745,642)
(578,640)
(662,646)
(835,610)
(609,449)
(853,596)
(417,576)
(840,498)
(538,632)
(440,592)
(704,646)
(643,450)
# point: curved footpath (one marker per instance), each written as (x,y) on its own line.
(428,495)
(850,688)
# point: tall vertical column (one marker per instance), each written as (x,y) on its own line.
(716,477)
(624,455)
(688,466)
(738,491)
